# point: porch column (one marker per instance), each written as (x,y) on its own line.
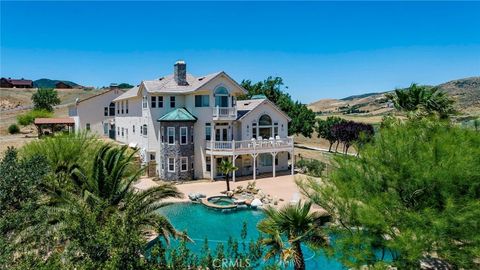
(274,154)
(211,167)
(234,157)
(292,157)
(254,166)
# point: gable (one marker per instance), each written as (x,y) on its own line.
(224,80)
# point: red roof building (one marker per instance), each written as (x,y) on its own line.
(15,83)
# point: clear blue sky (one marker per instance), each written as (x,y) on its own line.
(320,49)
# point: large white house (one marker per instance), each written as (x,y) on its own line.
(186,125)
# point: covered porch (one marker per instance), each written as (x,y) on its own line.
(54,125)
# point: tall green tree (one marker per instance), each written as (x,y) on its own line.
(296,224)
(415,190)
(45,99)
(226,167)
(303,119)
(423,100)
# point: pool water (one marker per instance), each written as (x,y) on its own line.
(201,222)
(221,201)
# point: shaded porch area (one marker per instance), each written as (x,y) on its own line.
(48,126)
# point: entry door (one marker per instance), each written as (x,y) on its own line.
(112,132)
(221,134)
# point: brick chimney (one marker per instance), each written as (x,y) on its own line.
(180,72)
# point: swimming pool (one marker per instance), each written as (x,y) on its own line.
(201,222)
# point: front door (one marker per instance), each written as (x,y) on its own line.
(112,132)
(221,134)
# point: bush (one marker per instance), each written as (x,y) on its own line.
(13,129)
(311,167)
(28,118)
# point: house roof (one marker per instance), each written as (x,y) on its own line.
(19,81)
(168,84)
(99,94)
(179,114)
(129,94)
(244,107)
(45,121)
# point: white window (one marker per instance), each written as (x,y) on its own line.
(144,130)
(152,157)
(126,106)
(160,102)
(172,102)
(171,164)
(162,134)
(266,159)
(122,107)
(171,135)
(118,107)
(208,131)
(183,135)
(87,126)
(105,111)
(133,129)
(154,101)
(208,163)
(122,132)
(144,102)
(183,164)
(202,100)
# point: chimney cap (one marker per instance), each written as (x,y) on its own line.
(180,62)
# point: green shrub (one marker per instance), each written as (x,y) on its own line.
(29,117)
(311,167)
(13,129)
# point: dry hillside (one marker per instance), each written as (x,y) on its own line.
(466,92)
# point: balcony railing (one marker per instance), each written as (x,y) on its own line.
(250,146)
(224,113)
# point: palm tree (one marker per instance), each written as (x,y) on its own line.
(297,225)
(422,99)
(226,167)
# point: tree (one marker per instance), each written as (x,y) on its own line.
(413,191)
(298,225)
(423,100)
(351,132)
(226,167)
(303,119)
(324,129)
(45,99)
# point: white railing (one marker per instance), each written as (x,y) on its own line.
(252,145)
(225,112)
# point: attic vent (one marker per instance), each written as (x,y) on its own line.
(247,103)
(201,78)
(161,78)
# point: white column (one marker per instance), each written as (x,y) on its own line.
(234,157)
(254,166)
(211,167)
(292,157)
(274,154)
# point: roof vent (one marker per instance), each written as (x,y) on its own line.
(201,78)
(161,78)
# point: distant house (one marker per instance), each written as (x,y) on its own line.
(15,83)
(62,85)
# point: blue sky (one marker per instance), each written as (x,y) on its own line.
(320,49)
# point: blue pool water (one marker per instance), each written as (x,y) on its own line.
(201,222)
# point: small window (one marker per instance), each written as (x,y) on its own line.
(275,130)
(171,164)
(105,111)
(133,129)
(183,135)
(122,108)
(144,130)
(171,135)
(160,102)
(118,107)
(202,101)
(208,163)
(183,164)
(162,134)
(144,102)
(118,131)
(152,157)
(123,132)
(266,159)
(208,132)
(172,102)
(87,126)
(254,130)
(154,101)
(126,106)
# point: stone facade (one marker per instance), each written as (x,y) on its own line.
(177,151)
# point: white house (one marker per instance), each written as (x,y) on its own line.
(186,125)
(96,113)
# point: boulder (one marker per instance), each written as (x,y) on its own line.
(256,203)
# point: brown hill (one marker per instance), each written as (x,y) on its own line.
(466,93)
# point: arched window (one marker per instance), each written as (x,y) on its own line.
(111,109)
(221,97)
(265,120)
(265,127)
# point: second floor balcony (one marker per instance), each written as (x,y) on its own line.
(249,147)
(224,113)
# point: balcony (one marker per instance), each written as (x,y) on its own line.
(224,113)
(249,147)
